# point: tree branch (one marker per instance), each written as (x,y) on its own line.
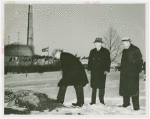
(113,43)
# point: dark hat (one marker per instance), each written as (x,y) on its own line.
(98,40)
(126,39)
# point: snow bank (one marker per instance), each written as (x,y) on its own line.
(111,108)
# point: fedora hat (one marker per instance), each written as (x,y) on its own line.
(126,39)
(98,40)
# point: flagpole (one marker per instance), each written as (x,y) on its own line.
(48,58)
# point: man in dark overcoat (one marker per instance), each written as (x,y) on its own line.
(73,74)
(98,67)
(131,66)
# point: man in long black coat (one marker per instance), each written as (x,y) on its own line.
(98,66)
(131,66)
(73,74)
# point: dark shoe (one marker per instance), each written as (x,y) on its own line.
(92,103)
(103,103)
(124,105)
(136,109)
(77,104)
(58,101)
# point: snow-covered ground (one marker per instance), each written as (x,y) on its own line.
(47,83)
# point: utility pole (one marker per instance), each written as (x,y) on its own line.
(19,53)
(48,58)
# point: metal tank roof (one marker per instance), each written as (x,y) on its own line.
(17,49)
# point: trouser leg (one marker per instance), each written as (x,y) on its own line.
(101,95)
(94,90)
(126,100)
(79,94)
(135,101)
(61,93)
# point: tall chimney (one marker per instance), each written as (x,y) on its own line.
(30,28)
(8,39)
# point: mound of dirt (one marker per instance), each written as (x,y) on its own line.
(30,100)
(9,96)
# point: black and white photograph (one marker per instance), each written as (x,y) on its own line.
(84,58)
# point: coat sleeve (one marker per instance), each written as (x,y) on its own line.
(64,67)
(137,59)
(90,61)
(137,56)
(107,61)
(122,60)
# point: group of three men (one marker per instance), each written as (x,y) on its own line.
(73,73)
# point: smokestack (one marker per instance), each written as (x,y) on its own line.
(30,9)
(30,28)
(8,39)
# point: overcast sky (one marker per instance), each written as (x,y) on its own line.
(74,27)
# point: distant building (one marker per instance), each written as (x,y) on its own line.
(16,53)
(16,49)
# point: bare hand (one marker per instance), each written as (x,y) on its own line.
(106,72)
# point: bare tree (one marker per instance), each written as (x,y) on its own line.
(112,42)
